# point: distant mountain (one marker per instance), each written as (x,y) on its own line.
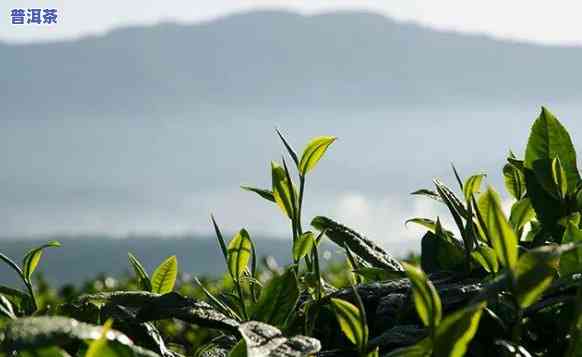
(275,59)
(83,258)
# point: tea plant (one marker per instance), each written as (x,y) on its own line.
(495,284)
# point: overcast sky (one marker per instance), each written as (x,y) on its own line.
(554,22)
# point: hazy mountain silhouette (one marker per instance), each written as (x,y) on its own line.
(275,59)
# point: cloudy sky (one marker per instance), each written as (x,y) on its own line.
(551,22)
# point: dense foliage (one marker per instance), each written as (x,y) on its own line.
(495,284)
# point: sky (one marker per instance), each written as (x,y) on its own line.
(547,22)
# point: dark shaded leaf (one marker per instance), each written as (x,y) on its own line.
(278,299)
(263,340)
(174,305)
(140,272)
(359,245)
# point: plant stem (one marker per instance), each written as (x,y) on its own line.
(241,300)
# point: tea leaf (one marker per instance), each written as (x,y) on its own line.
(349,319)
(521,213)
(534,273)
(420,349)
(559,177)
(239,254)
(96,348)
(140,272)
(32,258)
(282,188)
(358,244)
(278,299)
(263,340)
(502,236)
(266,194)
(426,299)
(289,148)
(6,307)
(456,331)
(571,262)
(313,153)
(34,332)
(511,349)
(472,185)
(487,258)
(514,181)
(164,277)
(174,305)
(549,139)
(219,238)
(303,245)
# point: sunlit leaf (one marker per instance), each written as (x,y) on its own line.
(142,276)
(472,185)
(571,262)
(514,181)
(487,258)
(313,153)
(266,194)
(164,277)
(426,299)
(6,308)
(97,347)
(502,236)
(32,258)
(239,254)
(349,319)
(534,273)
(456,331)
(303,245)
(559,177)
(549,139)
(521,213)
(282,189)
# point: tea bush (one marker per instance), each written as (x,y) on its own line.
(495,284)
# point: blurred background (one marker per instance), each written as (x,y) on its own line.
(125,124)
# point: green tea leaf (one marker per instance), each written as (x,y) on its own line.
(427,193)
(164,277)
(514,181)
(571,262)
(349,319)
(32,258)
(142,276)
(6,307)
(313,153)
(535,272)
(282,188)
(549,139)
(472,185)
(502,236)
(487,258)
(278,300)
(220,239)
(420,349)
(239,254)
(440,252)
(266,194)
(289,148)
(97,347)
(456,331)
(303,245)
(426,299)
(559,177)
(521,214)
